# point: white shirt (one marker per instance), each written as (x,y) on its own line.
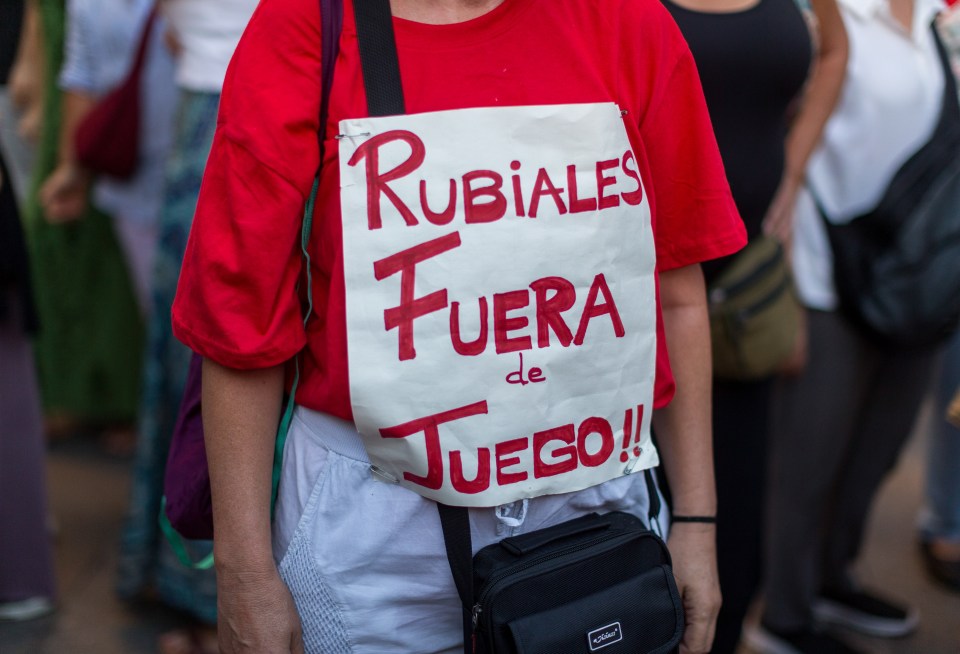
(101,42)
(890,105)
(208,31)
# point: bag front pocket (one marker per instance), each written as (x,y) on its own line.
(754,313)
(631,616)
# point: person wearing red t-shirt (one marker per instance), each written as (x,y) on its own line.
(529,121)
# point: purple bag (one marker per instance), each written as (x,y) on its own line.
(186,481)
(187,509)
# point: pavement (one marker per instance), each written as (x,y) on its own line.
(89,493)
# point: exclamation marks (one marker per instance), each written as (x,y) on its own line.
(631,436)
(636,438)
(627,435)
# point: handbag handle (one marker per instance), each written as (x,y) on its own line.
(331,24)
(144,42)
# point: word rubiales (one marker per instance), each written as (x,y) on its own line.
(484,200)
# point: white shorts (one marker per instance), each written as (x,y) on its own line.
(365,560)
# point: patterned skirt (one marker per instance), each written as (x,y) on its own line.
(146,561)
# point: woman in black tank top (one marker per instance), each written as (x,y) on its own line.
(754,60)
(753,64)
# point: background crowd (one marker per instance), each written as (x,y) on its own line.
(815,107)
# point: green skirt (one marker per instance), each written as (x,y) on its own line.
(90,344)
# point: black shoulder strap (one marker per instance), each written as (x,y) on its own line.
(950,114)
(331,24)
(381,81)
(455,521)
(378,57)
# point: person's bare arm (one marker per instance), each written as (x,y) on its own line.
(170,36)
(819,99)
(684,437)
(64,193)
(241,410)
(27,74)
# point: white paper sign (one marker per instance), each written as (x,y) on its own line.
(501,316)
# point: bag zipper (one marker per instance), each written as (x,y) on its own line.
(720,294)
(765,301)
(513,570)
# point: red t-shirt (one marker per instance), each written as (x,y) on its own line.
(237,301)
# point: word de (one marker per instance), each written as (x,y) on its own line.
(535,376)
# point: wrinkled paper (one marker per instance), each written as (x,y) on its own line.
(501,310)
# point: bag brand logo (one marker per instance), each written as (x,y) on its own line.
(605,636)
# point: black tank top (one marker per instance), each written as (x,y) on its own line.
(752,65)
(11,19)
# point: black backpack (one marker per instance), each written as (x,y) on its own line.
(897,268)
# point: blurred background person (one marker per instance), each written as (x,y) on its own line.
(203,34)
(840,425)
(27,583)
(21,97)
(769,93)
(102,39)
(940,519)
(90,344)
(101,43)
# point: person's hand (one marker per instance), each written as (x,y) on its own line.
(694,553)
(779,219)
(63,195)
(256,614)
(172,40)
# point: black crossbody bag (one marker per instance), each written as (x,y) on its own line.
(596,583)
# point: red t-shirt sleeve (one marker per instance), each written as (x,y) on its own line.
(695,218)
(237,300)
